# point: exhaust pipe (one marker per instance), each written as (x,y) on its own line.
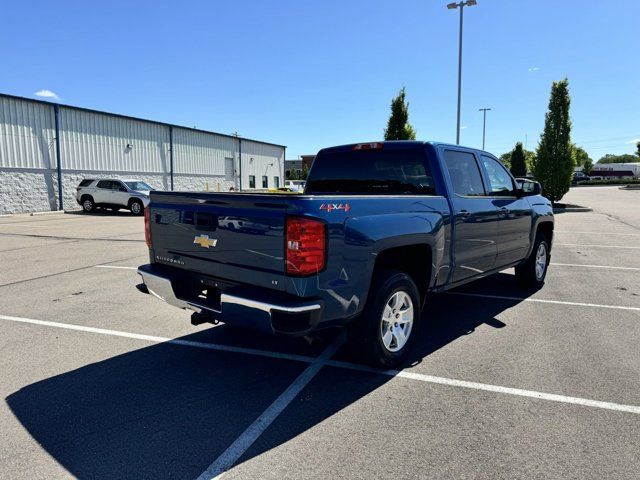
(198,318)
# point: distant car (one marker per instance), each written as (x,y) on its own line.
(579,177)
(113,194)
(295,185)
(241,224)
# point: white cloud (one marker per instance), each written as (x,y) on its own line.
(634,141)
(46,94)
(534,69)
(463,127)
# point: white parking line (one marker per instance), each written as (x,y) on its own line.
(594,266)
(116,266)
(155,339)
(552,397)
(231,455)
(540,300)
(594,245)
(599,233)
(336,363)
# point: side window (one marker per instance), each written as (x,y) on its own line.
(464,173)
(265,182)
(276,182)
(500,181)
(104,184)
(116,186)
(85,183)
(252,181)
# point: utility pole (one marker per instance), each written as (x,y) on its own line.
(484,122)
(453,6)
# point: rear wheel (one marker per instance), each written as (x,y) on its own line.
(532,273)
(136,207)
(88,205)
(387,328)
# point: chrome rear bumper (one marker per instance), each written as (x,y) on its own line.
(299,317)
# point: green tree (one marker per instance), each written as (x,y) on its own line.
(518,161)
(587,166)
(529,157)
(305,172)
(580,155)
(398,126)
(624,158)
(505,158)
(553,167)
(638,149)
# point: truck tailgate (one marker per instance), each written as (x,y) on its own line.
(239,237)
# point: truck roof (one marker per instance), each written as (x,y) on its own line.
(404,143)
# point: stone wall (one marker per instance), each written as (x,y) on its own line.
(28,190)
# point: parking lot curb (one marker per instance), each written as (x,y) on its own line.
(572,209)
(34,214)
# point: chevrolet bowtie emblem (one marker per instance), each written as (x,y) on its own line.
(205,241)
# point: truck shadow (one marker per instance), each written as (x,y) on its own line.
(101,212)
(169,411)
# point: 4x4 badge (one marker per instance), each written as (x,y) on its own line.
(205,241)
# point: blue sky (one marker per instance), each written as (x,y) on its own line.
(315,74)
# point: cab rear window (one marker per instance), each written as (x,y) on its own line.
(377,172)
(85,183)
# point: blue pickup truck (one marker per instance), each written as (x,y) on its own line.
(379,227)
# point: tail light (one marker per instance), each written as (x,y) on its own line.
(368,146)
(147,226)
(306,245)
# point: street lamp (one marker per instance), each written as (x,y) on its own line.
(484,122)
(453,6)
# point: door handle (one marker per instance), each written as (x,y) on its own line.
(464,213)
(503,212)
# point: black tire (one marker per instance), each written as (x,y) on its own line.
(136,207)
(531,274)
(366,334)
(87,204)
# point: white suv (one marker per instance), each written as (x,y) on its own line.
(113,194)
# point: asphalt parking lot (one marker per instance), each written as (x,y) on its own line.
(100,381)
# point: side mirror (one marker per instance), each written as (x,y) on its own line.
(528,188)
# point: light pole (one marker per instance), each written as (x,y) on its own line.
(484,122)
(453,6)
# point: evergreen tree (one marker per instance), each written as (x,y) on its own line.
(518,162)
(553,167)
(398,127)
(638,149)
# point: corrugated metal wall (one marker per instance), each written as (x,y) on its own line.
(260,159)
(98,142)
(27,133)
(197,152)
(95,141)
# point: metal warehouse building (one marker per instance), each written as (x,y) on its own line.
(44,144)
